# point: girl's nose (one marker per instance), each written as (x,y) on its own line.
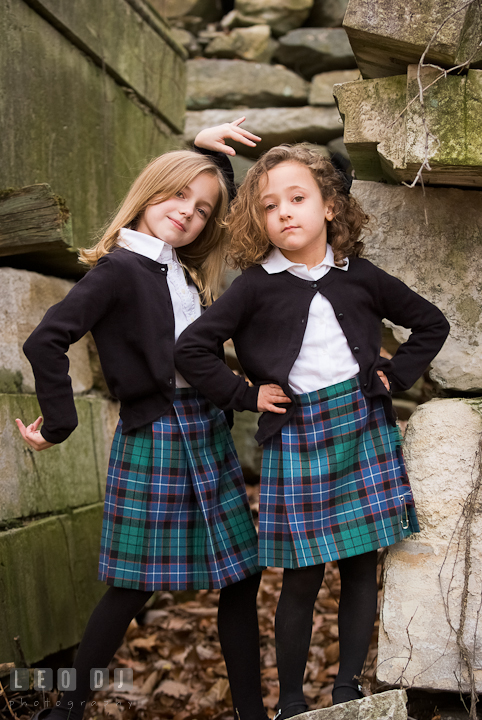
(187,210)
(284,211)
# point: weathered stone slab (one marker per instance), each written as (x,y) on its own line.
(386,37)
(281,15)
(208,10)
(134,46)
(230,83)
(321,90)
(252,43)
(249,452)
(68,123)
(424,575)
(48,577)
(390,705)
(33,218)
(327,13)
(68,475)
(273,125)
(309,51)
(385,135)
(432,243)
(25,297)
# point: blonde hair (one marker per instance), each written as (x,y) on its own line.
(246,222)
(161,180)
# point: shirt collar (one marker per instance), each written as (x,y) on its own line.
(276,262)
(146,245)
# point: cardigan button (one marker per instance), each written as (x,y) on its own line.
(170,381)
(365,384)
(314,286)
(340,316)
(356,349)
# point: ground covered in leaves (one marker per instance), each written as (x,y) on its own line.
(179,672)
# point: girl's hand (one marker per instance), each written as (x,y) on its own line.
(32,436)
(384,379)
(213,138)
(269,394)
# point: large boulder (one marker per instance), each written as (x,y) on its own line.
(387,36)
(251,43)
(208,10)
(25,297)
(433,580)
(281,15)
(390,705)
(321,90)
(309,51)
(274,125)
(386,127)
(230,83)
(432,242)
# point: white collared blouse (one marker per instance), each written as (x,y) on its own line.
(325,357)
(184,297)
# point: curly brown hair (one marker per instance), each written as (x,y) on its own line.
(246,223)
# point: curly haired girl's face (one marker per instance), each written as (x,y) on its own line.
(296,214)
(179,219)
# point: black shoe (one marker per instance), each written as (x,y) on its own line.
(356,692)
(291,710)
(42,714)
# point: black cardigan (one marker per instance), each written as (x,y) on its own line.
(266,317)
(124,300)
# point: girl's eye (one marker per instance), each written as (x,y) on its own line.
(180,194)
(298,198)
(269,207)
(202,212)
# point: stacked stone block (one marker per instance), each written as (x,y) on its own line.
(431,238)
(89,93)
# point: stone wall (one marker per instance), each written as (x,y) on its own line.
(89,93)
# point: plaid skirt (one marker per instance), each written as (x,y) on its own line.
(176,513)
(333,481)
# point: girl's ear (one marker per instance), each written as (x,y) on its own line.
(329,214)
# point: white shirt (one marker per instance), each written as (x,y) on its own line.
(325,357)
(184,297)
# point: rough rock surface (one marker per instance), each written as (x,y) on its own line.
(252,43)
(273,125)
(424,576)
(385,135)
(321,90)
(314,50)
(25,297)
(208,10)
(388,36)
(432,243)
(281,15)
(230,83)
(390,705)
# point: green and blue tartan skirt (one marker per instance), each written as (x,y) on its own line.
(176,513)
(333,481)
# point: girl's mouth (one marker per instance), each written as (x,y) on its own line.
(177,224)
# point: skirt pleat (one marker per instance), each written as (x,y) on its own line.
(333,481)
(176,513)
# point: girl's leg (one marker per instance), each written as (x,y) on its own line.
(356,617)
(239,638)
(103,635)
(293,627)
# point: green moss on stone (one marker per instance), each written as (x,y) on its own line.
(10,381)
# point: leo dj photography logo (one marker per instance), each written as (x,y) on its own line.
(43,679)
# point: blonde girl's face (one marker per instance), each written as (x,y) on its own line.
(179,219)
(295,213)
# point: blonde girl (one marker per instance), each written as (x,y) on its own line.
(176,514)
(305,317)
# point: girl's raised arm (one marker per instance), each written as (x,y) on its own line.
(214,138)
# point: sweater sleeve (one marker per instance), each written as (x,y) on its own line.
(196,353)
(46,348)
(428,325)
(224,164)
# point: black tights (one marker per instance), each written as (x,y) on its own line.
(294,621)
(238,634)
